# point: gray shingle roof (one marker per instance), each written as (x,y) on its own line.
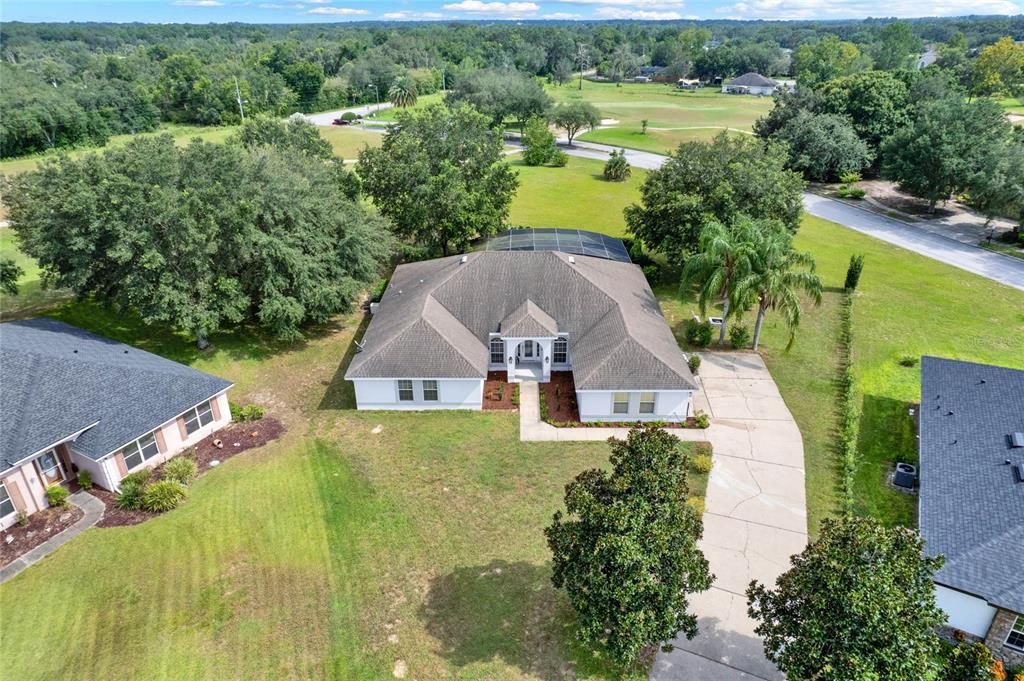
(528,320)
(618,337)
(59,379)
(752,80)
(970,508)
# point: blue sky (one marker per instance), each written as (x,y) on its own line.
(310,11)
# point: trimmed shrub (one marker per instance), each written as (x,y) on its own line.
(163,495)
(652,273)
(252,412)
(139,477)
(853,272)
(22,518)
(130,497)
(850,193)
(850,178)
(236,411)
(697,504)
(698,333)
(348,116)
(559,159)
(57,496)
(617,169)
(701,463)
(85,479)
(181,469)
(739,335)
(702,420)
(539,142)
(693,363)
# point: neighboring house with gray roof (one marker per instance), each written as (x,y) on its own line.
(74,401)
(443,324)
(750,84)
(971,500)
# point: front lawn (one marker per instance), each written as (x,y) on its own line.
(334,552)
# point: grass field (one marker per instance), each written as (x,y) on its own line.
(576,196)
(348,140)
(673,116)
(421,102)
(1014,105)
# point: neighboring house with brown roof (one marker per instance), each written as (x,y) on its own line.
(971,499)
(73,401)
(443,324)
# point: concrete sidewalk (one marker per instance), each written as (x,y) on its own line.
(93,509)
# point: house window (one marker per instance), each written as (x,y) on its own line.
(646,403)
(6,505)
(620,403)
(198,417)
(560,353)
(141,450)
(1015,639)
(430,391)
(405,391)
(497,351)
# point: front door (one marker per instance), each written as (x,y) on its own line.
(528,351)
(50,468)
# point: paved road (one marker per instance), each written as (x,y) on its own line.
(327,117)
(1000,268)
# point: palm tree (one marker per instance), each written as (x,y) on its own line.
(724,259)
(403,92)
(776,279)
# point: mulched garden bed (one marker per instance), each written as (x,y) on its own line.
(559,394)
(41,526)
(499,393)
(220,446)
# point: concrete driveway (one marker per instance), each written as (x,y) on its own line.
(755,517)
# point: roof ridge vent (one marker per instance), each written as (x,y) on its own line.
(1016,440)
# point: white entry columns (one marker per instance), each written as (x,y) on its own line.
(538,360)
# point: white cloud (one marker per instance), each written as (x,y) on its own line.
(562,16)
(197,3)
(478,7)
(338,11)
(859,9)
(405,15)
(646,15)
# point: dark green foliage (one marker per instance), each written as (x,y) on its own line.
(823,146)
(853,272)
(130,497)
(440,177)
(619,529)
(694,362)
(702,420)
(137,479)
(968,662)
(403,92)
(616,168)
(820,60)
(739,335)
(252,412)
(877,104)
(85,480)
(539,142)
(847,192)
(10,273)
(501,94)
(652,273)
(57,496)
(204,237)
(898,46)
(847,421)
(559,159)
(163,495)
(575,116)
(909,361)
(857,603)
(181,469)
(719,181)
(348,116)
(306,79)
(698,333)
(293,135)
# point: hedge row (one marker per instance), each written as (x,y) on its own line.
(846,412)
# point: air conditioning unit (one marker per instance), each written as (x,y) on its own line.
(905,475)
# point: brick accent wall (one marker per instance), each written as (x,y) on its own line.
(996,637)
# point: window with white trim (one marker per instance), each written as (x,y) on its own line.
(143,449)
(430,391)
(405,390)
(497,351)
(560,352)
(620,403)
(6,505)
(1015,639)
(646,403)
(198,417)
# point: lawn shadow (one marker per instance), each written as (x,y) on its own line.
(341,394)
(500,610)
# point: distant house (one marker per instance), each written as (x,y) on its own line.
(687,84)
(971,499)
(646,74)
(750,84)
(74,401)
(541,301)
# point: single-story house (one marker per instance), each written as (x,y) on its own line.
(74,401)
(646,74)
(687,84)
(971,497)
(443,324)
(750,84)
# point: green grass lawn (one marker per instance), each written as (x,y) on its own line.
(347,140)
(332,553)
(1014,105)
(673,116)
(421,102)
(31,297)
(576,196)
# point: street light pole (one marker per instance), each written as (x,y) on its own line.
(377,92)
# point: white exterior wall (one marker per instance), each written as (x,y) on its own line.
(669,405)
(97,469)
(29,486)
(453,393)
(967,613)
